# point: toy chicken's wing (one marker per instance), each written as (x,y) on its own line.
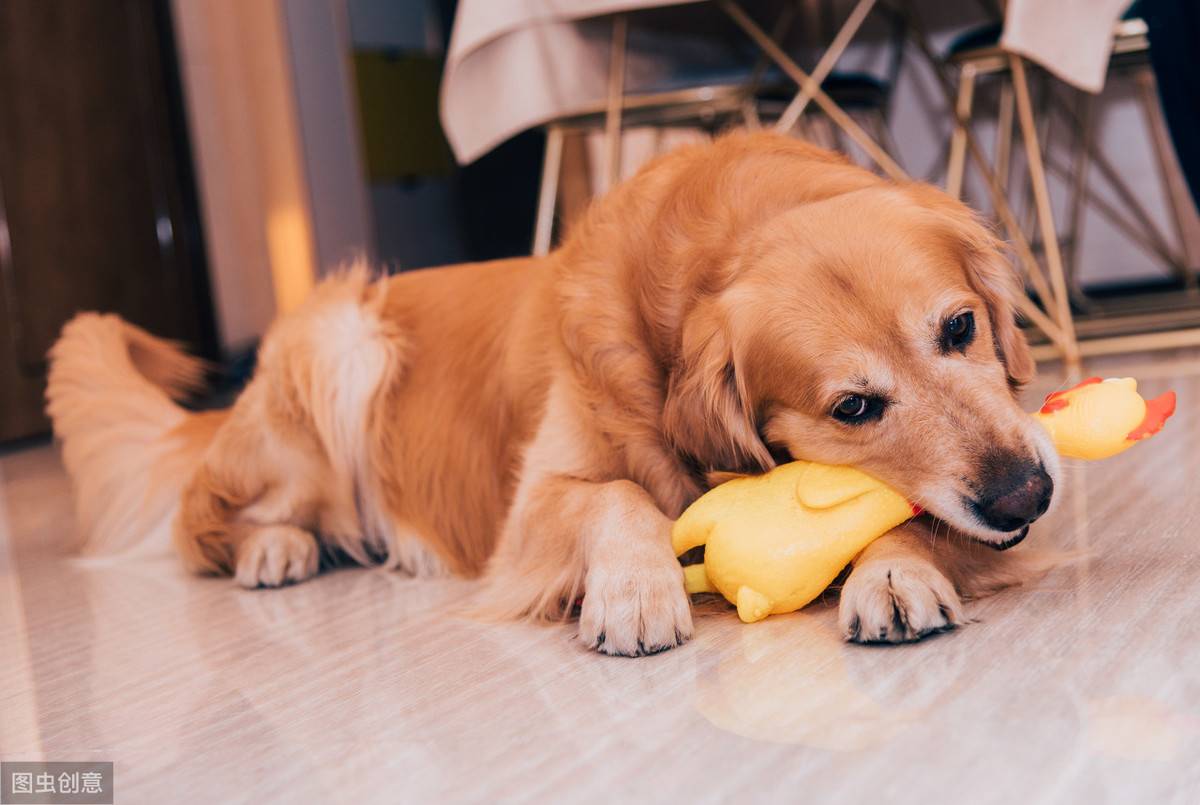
(823,486)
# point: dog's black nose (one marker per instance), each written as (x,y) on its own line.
(1016,498)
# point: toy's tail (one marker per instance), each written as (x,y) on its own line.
(127,446)
(1158,411)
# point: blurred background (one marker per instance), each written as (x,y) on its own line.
(196,165)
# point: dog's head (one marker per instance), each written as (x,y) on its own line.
(874,328)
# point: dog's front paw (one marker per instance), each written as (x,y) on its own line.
(897,601)
(276,554)
(632,611)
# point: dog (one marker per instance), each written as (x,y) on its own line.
(539,422)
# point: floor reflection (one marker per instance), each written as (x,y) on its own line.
(791,679)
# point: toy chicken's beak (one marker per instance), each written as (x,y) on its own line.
(1158,411)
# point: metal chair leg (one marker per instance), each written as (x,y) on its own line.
(1059,305)
(1079,193)
(616,98)
(1029,219)
(828,135)
(883,134)
(837,142)
(543,230)
(1004,123)
(958,140)
(750,116)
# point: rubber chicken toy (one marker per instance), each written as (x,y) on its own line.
(1100,418)
(774,542)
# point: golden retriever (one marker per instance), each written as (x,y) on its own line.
(540,421)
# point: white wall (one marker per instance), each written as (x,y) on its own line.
(225,146)
(320,48)
(275,142)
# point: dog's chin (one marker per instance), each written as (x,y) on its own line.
(996,540)
(1009,540)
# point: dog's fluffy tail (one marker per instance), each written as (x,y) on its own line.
(128,447)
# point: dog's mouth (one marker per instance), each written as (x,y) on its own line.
(998,539)
(1015,539)
(963,519)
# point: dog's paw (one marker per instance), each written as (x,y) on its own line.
(274,555)
(632,611)
(897,601)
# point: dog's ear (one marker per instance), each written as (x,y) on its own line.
(982,255)
(994,279)
(707,414)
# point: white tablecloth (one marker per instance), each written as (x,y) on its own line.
(515,64)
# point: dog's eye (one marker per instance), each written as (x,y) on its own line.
(855,409)
(958,331)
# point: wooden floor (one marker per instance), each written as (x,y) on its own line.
(1083,687)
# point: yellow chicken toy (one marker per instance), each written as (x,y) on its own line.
(774,542)
(1100,418)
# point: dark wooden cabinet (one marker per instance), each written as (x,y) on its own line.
(98,207)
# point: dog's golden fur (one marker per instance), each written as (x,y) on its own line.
(539,421)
